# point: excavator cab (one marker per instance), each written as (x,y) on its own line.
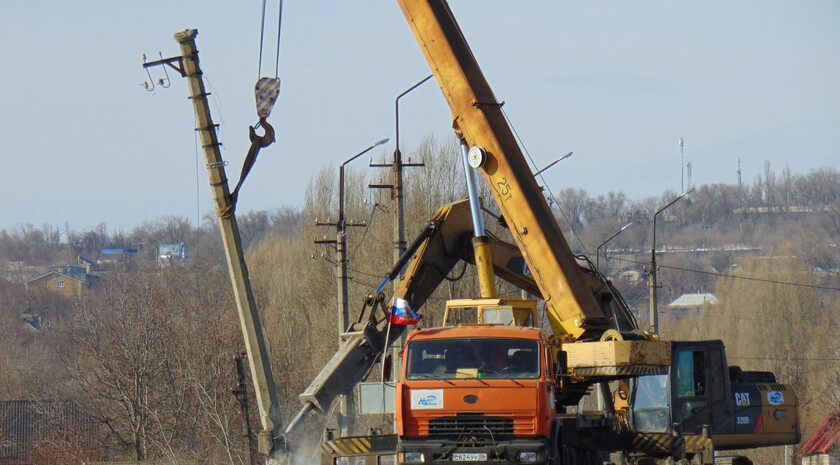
(691,395)
(702,396)
(494,311)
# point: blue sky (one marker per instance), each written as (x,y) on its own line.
(616,82)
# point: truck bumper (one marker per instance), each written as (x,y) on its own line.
(511,452)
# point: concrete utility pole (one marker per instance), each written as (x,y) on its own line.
(346,423)
(270,440)
(397,186)
(399,206)
(241,394)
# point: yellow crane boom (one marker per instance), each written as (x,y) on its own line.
(479,121)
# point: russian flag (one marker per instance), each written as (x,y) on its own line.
(402,314)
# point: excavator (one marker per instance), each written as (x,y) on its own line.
(500,389)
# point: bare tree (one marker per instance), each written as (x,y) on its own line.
(121,353)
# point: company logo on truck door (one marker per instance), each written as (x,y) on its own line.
(742,398)
(426,399)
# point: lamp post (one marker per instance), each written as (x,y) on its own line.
(345,419)
(558,160)
(654,315)
(341,243)
(598,249)
(603,388)
(399,219)
(396,186)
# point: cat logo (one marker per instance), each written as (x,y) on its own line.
(742,399)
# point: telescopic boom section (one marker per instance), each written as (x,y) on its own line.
(478,119)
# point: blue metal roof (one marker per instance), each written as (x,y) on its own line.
(118,251)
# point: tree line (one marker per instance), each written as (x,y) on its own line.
(148,353)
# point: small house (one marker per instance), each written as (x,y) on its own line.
(69,281)
(168,254)
(692,303)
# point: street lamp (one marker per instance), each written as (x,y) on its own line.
(345,420)
(341,244)
(598,249)
(654,315)
(396,187)
(340,225)
(558,160)
(397,194)
(397,108)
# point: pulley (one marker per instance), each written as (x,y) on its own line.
(266,92)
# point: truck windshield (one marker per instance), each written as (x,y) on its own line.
(473,358)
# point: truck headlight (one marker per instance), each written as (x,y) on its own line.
(414,457)
(528,457)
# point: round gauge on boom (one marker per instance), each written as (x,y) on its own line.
(476,157)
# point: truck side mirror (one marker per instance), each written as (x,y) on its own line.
(386,372)
(561,364)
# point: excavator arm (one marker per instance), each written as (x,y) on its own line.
(430,258)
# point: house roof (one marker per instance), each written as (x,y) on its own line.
(55,272)
(694,300)
(823,437)
(120,250)
(28,423)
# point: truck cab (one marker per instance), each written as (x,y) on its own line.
(477,391)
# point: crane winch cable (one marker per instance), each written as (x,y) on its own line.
(266,92)
(262,39)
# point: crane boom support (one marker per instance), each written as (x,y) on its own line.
(478,119)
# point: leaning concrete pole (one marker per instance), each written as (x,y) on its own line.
(270,440)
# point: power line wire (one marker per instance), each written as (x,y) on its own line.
(367,227)
(726,275)
(545,184)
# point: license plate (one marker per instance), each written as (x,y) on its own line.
(469,456)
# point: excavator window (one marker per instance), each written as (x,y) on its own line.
(462,316)
(497,316)
(691,374)
(691,403)
(650,396)
(510,312)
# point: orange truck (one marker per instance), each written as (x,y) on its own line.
(486,390)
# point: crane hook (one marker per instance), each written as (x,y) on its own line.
(266,139)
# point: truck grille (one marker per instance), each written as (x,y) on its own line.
(471,424)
